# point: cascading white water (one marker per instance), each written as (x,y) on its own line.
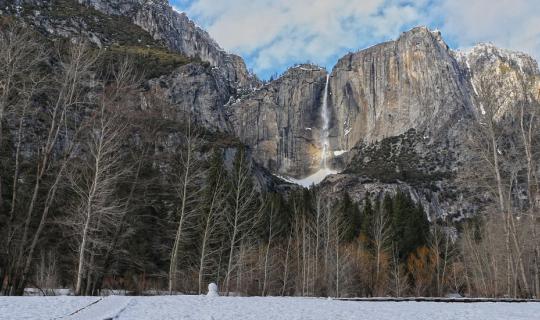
(325,126)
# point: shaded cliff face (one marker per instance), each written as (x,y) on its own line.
(180,34)
(198,90)
(281,121)
(413,82)
(154,35)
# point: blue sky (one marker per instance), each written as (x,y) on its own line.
(272,35)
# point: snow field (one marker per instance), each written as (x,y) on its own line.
(33,308)
(224,308)
(254,308)
(108,308)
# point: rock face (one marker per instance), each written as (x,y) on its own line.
(202,91)
(383,91)
(119,7)
(281,121)
(415,82)
(180,34)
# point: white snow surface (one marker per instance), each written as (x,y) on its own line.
(313,179)
(107,308)
(30,308)
(255,308)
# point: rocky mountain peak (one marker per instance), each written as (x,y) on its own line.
(509,76)
(305,68)
(180,34)
(488,53)
(414,82)
(387,89)
(121,7)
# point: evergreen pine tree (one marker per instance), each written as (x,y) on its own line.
(367,218)
(409,223)
(352,217)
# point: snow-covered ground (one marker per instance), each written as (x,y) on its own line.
(33,308)
(235,308)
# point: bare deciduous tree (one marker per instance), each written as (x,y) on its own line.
(20,56)
(381,243)
(243,213)
(67,98)
(98,209)
(212,219)
(185,213)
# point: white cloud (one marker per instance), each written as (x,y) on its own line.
(512,24)
(274,33)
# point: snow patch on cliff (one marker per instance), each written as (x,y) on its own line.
(339,152)
(311,180)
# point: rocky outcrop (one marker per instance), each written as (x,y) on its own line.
(510,79)
(180,34)
(281,121)
(198,90)
(69,19)
(159,21)
(425,168)
(204,88)
(436,204)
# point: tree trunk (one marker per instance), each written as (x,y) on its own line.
(82,249)
(286,266)
(179,232)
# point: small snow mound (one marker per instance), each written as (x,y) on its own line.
(212,290)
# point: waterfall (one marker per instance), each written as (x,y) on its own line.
(324,170)
(325,143)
